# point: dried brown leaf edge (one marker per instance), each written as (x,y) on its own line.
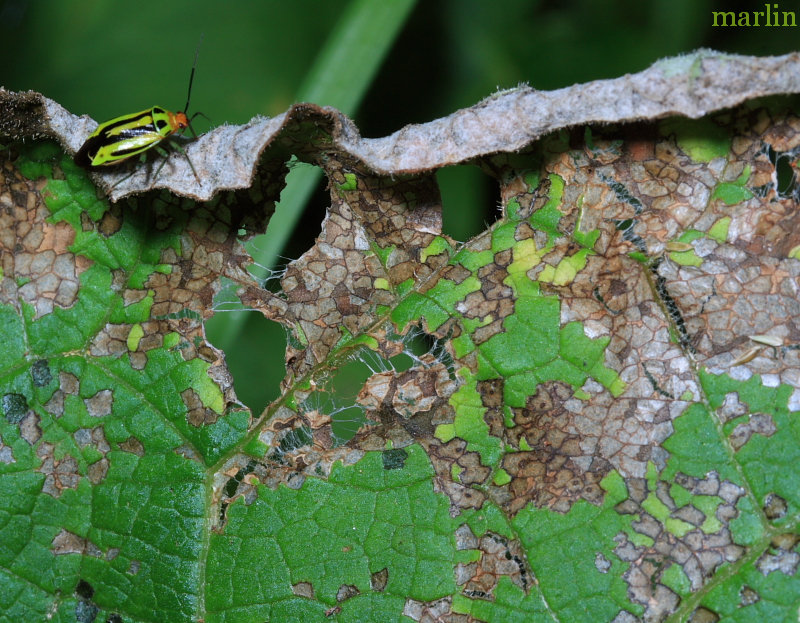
(227,158)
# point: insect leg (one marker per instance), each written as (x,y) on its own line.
(183,151)
(142,158)
(164,158)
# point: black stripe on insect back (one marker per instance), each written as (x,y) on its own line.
(124,153)
(85,155)
(110,126)
(102,137)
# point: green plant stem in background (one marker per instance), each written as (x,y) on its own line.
(340,77)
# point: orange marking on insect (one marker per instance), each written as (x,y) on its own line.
(178,120)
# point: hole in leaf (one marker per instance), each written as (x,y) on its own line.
(255,358)
(786,181)
(255,347)
(309,225)
(349,379)
(418,343)
(337,399)
(233,483)
(295,438)
(469,201)
(289,234)
(231,487)
(786,177)
(84,590)
(786,171)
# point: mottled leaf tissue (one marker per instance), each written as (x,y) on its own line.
(586,412)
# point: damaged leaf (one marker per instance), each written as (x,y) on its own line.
(558,419)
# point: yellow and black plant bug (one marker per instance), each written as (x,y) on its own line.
(121,138)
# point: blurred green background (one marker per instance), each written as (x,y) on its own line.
(384,63)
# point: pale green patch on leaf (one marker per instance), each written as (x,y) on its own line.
(534,349)
(719,230)
(134,336)
(675,578)
(732,193)
(469,424)
(350,182)
(381,283)
(501,477)
(566,270)
(549,216)
(687,257)
(526,256)
(438,246)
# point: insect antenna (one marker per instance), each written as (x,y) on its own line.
(191,75)
(192,117)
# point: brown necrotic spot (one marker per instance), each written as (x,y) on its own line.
(99,405)
(774,506)
(346,591)
(132,445)
(379,579)
(303,589)
(747,596)
(703,615)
